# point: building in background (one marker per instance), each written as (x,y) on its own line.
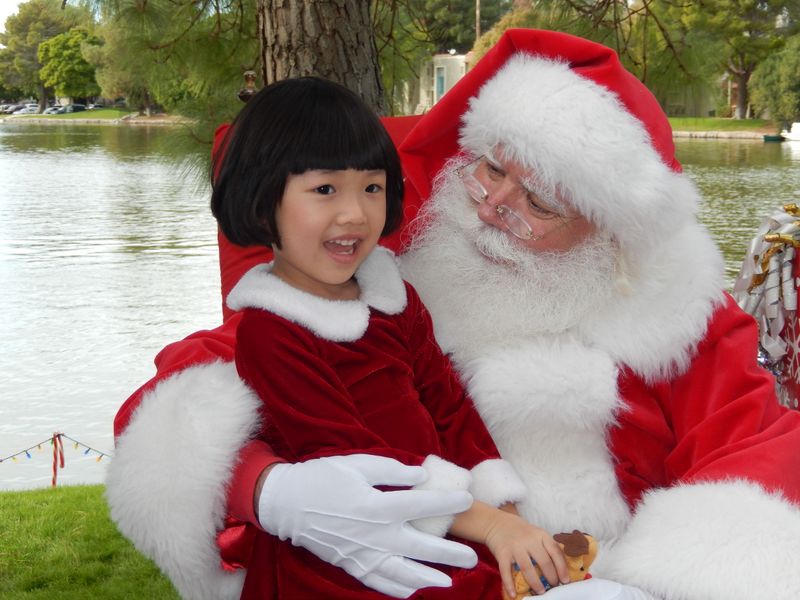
(439,74)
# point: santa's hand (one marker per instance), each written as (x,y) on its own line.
(596,589)
(330,507)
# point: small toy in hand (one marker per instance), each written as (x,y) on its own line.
(580,550)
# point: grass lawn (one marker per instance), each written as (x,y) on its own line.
(714,124)
(97,113)
(60,543)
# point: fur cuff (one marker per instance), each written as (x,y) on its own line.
(442,475)
(166,485)
(715,541)
(495,482)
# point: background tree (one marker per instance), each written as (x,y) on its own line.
(450,24)
(64,67)
(749,30)
(654,39)
(121,66)
(407,35)
(330,38)
(8,93)
(775,83)
(185,56)
(35,22)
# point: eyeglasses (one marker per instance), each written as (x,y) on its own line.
(514,223)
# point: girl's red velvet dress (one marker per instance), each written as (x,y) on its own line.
(362,376)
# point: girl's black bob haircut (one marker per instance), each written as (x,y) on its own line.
(290,127)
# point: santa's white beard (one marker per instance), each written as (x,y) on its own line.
(483,286)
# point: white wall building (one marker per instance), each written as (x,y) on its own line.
(439,74)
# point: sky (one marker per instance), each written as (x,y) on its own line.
(7,8)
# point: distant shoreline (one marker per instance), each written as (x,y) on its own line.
(132,119)
(740,135)
(163,119)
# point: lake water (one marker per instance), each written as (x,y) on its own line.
(108,252)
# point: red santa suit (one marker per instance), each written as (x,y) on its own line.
(646,423)
(360,376)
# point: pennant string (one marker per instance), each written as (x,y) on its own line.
(58,452)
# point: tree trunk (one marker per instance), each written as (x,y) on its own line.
(333,39)
(742,80)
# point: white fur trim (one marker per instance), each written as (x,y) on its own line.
(548,403)
(166,485)
(495,482)
(337,320)
(710,541)
(579,139)
(654,329)
(442,475)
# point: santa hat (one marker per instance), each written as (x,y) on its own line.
(566,108)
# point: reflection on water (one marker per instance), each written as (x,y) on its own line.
(741,182)
(108,252)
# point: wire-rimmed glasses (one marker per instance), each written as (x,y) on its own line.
(514,223)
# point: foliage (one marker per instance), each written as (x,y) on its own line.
(61,543)
(776,83)
(450,24)
(64,67)
(408,32)
(402,48)
(748,31)
(652,41)
(9,92)
(35,22)
(183,55)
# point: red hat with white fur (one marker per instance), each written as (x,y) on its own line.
(566,108)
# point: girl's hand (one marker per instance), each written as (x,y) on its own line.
(513,540)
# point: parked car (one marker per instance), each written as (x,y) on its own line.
(52,110)
(71,108)
(94,106)
(27,109)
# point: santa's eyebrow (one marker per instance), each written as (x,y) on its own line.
(493,161)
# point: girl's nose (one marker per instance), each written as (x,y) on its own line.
(352,211)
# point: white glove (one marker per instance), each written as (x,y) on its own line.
(595,589)
(329,507)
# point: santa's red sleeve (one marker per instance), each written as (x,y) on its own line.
(178,466)
(731,495)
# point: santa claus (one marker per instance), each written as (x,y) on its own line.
(580,301)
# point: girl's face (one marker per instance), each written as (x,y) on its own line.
(328,222)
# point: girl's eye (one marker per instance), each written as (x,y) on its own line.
(325,189)
(374,188)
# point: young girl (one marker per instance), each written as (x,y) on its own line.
(339,348)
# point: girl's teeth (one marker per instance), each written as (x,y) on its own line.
(342,246)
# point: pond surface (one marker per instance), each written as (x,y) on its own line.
(108,252)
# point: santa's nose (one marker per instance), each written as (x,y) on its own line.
(489,214)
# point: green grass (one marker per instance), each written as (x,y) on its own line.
(715,124)
(97,113)
(60,543)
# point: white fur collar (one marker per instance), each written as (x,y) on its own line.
(382,288)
